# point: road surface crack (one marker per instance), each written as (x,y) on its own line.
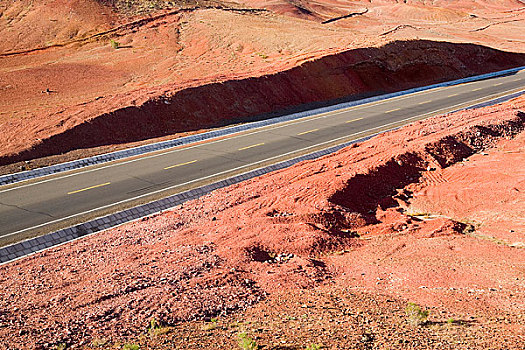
(141,179)
(28,210)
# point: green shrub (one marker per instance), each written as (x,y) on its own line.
(114,44)
(131,347)
(98,342)
(247,343)
(153,325)
(313,347)
(415,315)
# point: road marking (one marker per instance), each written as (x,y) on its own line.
(181,164)
(89,188)
(498,84)
(167,152)
(307,132)
(477,89)
(247,147)
(422,103)
(353,120)
(247,165)
(393,110)
(453,95)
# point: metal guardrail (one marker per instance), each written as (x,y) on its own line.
(36,244)
(135,151)
(33,245)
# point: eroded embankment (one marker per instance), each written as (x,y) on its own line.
(339,218)
(344,76)
(380,188)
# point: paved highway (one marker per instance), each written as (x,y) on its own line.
(41,205)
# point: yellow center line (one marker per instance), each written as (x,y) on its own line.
(353,120)
(243,148)
(477,89)
(453,95)
(176,165)
(89,188)
(393,110)
(498,84)
(422,103)
(307,132)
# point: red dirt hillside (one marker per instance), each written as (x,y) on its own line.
(179,67)
(326,252)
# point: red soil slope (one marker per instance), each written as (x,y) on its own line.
(199,56)
(349,73)
(346,220)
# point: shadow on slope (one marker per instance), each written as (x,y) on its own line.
(384,186)
(332,79)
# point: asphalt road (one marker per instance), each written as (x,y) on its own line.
(39,206)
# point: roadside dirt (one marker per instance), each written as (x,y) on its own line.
(327,252)
(99,76)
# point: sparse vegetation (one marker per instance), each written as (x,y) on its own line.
(98,342)
(313,347)
(153,325)
(131,347)
(114,44)
(418,214)
(212,325)
(247,343)
(451,321)
(416,316)
(155,328)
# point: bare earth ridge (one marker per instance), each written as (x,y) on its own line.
(327,252)
(179,67)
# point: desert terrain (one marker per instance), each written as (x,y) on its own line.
(413,239)
(79,78)
(329,251)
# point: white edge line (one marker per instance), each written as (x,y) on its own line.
(234,169)
(90,234)
(260,129)
(202,178)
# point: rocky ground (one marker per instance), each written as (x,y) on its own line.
(75,74)
(328,252)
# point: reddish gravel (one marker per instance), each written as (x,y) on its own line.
(333,225)
(478,191)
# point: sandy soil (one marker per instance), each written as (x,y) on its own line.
(60,76)
(340,236)
(328,252)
